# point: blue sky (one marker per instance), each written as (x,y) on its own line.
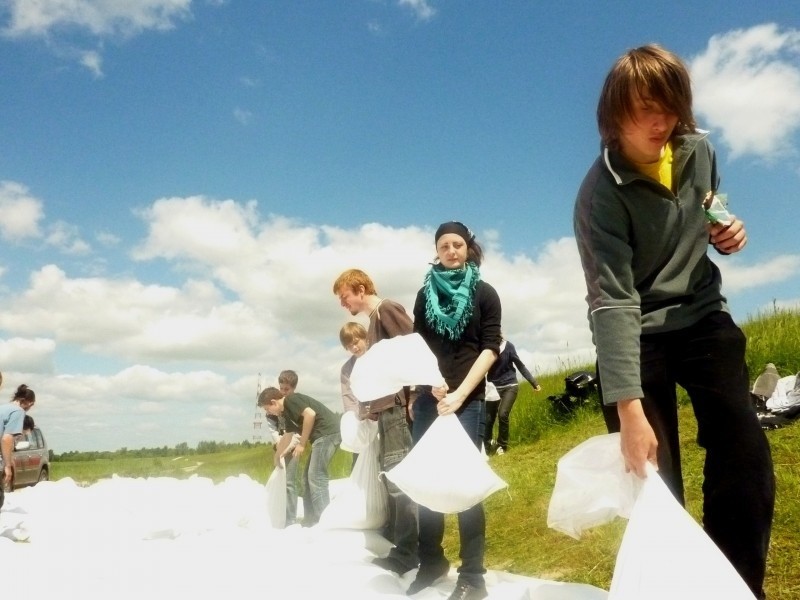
(181,182)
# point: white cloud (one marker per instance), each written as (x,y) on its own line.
(242,295)
(66,238)
(92,60)
(737,277)
(746,87)
(107,239)
(198,229)
(138,407)
(34,355)
(242,116)
(250,82)
(97,17)
(134,321)
(21,212)
(422,9)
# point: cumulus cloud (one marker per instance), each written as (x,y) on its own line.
(71,27)
(137,407)
(422,9)
(135,321)
(21,212)
(66,238)
(97,17)
(738,277)
(242,296)
(746,88)
(32,355)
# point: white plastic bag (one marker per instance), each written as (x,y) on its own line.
(276,496)
(591,486)
(445,471)
(784,395)
(362,503)
(393,363)
(665,554)
(491,394)
(356,434)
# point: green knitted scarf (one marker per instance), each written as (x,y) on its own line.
(449,296)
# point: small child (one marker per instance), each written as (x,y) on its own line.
(354,339)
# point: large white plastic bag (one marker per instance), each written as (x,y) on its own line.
(356,434)
(666,555)
(362,502)
(276,496)
(591,486)
(393,363)
(445,471)
(782,397)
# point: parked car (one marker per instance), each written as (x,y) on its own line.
(31,460)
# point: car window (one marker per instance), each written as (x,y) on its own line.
(39,438)
(30,436)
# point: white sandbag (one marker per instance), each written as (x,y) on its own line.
(445,471)
(393,363)
(665,554)
(785,395)
(591,486)
(356,434)
(276,496)
(362,502)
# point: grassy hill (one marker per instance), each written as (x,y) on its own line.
(518,539)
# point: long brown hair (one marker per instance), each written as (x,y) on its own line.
(647,71)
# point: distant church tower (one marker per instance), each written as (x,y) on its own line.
(258,418)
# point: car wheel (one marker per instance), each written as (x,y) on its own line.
(43,476)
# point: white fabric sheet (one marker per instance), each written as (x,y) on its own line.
(160,538)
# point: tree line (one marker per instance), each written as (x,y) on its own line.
(182,449)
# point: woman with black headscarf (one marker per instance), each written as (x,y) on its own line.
(458,315)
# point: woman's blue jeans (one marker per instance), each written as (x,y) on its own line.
(471,522)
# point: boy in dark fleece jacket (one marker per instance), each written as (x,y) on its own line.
(656,309)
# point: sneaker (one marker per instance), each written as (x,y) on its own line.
(389,563)
(468,591)
(427,576)
(500,452)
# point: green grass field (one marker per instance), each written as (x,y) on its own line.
(518,539)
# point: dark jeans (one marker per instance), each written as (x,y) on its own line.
(502,411)
(471,522)
(401,526)
(707,360)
